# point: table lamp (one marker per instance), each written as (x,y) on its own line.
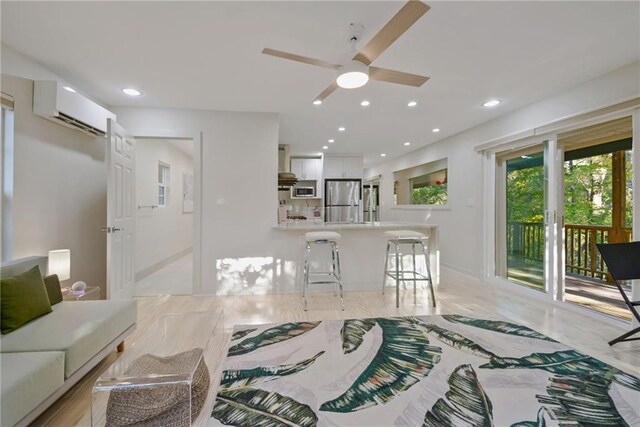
(60,264)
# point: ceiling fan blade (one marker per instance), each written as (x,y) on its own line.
(299,58)
(401,22)
(391,76)
(328,91)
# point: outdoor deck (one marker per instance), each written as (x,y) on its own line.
(586,273)
(585,291)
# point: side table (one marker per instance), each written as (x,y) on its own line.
(90,293)
(164,377)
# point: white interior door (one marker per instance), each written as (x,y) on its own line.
(120,212)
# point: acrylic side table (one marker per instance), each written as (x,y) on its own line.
(166,373)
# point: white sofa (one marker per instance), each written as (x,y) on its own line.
(41,360)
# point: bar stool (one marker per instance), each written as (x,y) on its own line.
(323,238)
(413,238)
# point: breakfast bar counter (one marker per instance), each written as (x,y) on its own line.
(362,249)
(378,225)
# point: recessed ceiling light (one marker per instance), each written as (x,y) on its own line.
(342,129)
(365,103)
(435,130)
(331,141)
(317,102)
(407,143)
(412,104)
(131,91)
(70,89)
(382,155)
(325,147)
(491,103)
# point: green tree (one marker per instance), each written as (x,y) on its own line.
(525,194)
(588,190)
(430,195)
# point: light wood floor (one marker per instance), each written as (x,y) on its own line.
(456,294)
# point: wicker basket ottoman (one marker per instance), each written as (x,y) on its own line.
(160,391)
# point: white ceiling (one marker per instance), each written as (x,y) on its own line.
(206,55)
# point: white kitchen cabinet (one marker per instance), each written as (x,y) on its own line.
(337,167)
(307,169)
(313,169)
(333,167)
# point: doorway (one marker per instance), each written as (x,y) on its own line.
(371,199)
(523,194)
(165,202)
(555,199)
(597,205)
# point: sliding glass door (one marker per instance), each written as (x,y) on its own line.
(598,208)
(555,200)
(522,206)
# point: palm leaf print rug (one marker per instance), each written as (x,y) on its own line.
(446,370)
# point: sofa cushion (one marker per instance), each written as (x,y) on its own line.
(52,283)
(79,328)
(22,298)
(27,380)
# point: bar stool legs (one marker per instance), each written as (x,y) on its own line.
(338,273)
(335,275)
(399,274)
(386,263)
(425,250)
(305,285)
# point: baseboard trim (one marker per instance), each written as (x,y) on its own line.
(158,265)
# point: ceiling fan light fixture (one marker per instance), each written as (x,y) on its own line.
(352,75)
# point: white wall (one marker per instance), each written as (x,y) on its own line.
(15,63)
(164,232)
(461,221)
(60,189)
(239,181)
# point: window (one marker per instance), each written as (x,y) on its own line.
(163,184)
(6,176)
(425,184)
(429,189)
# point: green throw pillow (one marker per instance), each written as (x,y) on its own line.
(22,299)
(52,283)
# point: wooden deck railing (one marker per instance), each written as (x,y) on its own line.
(525,242)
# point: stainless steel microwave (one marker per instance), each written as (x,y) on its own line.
(304,192)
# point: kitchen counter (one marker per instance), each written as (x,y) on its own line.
(362,248)
(382,225)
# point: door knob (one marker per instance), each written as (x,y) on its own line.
(111,229)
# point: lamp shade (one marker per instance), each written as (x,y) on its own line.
(353,74)
(60,263)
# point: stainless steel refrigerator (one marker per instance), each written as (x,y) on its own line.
(370,203)
(342,200)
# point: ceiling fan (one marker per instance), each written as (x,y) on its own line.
(357,71)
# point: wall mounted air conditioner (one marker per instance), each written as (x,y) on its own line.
(53,102)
